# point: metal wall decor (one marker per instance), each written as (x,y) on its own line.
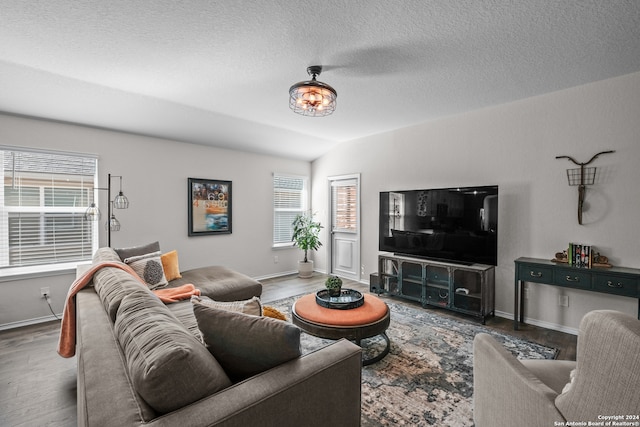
(582,177)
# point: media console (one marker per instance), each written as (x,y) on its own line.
(615,280)
(467,289)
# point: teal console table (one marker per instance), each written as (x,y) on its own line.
(615,280)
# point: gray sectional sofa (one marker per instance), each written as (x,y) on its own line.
(141,362)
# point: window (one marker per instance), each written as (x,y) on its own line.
(344,199)
(42,203)
(290,198)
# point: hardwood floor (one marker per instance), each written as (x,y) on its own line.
(38,387)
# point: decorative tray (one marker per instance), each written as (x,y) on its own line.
(348,299)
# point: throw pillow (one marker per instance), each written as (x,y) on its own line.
(272,312)
(572,378)
(167,365)
(246,345)
(149,268)
(251,306)
(125,253)
(170,265)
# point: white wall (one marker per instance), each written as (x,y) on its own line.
(155,173)
(514,145)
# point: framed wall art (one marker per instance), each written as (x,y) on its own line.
(209,207)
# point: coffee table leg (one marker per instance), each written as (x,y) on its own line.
(379,357)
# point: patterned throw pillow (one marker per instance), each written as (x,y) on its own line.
(149,268)
(251,306)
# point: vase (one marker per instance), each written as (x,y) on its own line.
(334,292)
(305,269)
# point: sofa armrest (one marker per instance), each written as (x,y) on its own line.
(505,392)
(321,388)
(608,368)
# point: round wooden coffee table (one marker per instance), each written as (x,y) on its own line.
(356,324)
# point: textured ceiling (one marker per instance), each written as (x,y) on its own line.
(218,72)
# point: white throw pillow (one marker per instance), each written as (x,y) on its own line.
(251,306)
(149,268)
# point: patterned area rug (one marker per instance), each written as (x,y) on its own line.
(427,378)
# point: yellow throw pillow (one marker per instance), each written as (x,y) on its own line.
(170,265)
(272,312)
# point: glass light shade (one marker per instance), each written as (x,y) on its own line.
(121,201)
(92,213)
(113,224)
(311,97)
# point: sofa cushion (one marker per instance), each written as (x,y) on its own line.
(112,285)
(132,251)
(251,306)
(220,283)
(168,367)
(149,268)
(106,254)
(170,265)
(184,313)
(246,345)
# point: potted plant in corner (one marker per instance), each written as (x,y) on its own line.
(306,236)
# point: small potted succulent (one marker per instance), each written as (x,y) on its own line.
(333,285)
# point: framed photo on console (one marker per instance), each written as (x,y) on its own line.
(209,206)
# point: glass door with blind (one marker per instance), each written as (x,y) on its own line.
(345,226)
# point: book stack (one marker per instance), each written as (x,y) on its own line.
(580,255)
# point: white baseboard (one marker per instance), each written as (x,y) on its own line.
(540,323)
(29,322)
(273,276)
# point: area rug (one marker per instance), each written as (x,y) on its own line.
(427,378)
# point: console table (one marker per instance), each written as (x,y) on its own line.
(615,280)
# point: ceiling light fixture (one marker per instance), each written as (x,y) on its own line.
(311,97)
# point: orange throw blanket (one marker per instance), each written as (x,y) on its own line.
(67,339)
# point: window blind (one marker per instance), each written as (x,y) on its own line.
(42,203)
(344,199)
(289,199)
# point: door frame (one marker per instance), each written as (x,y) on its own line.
(330,179)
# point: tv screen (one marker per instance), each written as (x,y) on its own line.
(448,224)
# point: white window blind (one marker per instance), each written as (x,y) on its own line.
(42,203)
(290,198)
(344,199)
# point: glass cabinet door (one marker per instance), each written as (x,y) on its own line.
(467,288)
(411,280)
(388,270)
(437,286)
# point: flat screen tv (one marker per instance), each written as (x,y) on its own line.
(449,224)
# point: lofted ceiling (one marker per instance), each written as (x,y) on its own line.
(218,72)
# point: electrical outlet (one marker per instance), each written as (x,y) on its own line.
(563,300)
(362,269)
(275,259)
(44,292)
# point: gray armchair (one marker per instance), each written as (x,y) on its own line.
(604,381)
